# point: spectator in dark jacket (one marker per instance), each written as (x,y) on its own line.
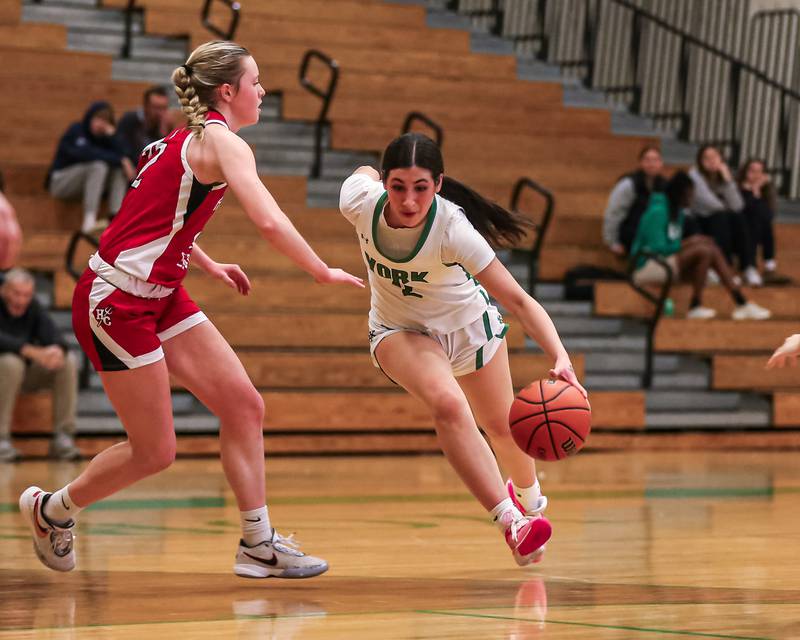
(33,356)
(760,204)
(89,161)
(140,127)
(629,199)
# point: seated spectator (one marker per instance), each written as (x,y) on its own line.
(629,199)
(138,128)
(34,356)
(760,204)
(661,232)
(716,207)
(10,234)
(89,161)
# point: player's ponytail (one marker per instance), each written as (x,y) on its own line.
(495,223)
(210,65)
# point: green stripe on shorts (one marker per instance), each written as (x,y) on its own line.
(487,325)
(479,359)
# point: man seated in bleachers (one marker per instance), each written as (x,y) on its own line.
(150,122)
(33,356)
(629,199)
(90,161)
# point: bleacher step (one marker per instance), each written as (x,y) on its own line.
(143,70)
(94,402)
(691,401)
(606,343)
(94,425)
(707,419)
(80,15)
(597,362)
(142,46)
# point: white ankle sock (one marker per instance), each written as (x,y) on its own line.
(528,496)
(60,508)
(255,526)
(504,514)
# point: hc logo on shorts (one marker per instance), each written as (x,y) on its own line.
(103,316)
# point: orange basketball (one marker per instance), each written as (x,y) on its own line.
(550,419)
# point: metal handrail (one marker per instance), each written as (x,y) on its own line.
(658,301)
(72,247)
(737,67)
(69,260)
(431,124)
(131,7)
(235,8)
(496,11)
(326,95)
(540,227)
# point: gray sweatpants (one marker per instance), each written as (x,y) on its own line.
(18,376)
(89,180)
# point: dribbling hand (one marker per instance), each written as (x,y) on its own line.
(786,353)
(562,370)
(339,276)
(233,276)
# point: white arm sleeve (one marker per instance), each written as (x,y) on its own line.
(463,244)
(355,193)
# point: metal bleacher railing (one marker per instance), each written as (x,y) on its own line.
(710,71)
(205,19)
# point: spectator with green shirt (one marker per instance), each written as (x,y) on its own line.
(660,233)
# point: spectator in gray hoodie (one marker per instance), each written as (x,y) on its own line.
(629,198)
(717,207)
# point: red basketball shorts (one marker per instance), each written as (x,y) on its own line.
(120,331)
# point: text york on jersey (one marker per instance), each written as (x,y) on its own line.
(398,277)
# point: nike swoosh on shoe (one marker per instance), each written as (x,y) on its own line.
(272,562)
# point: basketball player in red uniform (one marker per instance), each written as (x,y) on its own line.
(139,326)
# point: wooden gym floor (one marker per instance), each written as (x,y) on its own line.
(646,545)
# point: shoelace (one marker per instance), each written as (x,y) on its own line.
(515,524)
(61,541)
(287,544)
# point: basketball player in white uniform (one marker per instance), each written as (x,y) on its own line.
(434,331)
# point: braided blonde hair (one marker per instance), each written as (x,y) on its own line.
(210,65)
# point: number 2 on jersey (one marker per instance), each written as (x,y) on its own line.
(154,150)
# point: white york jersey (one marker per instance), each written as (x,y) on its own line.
(432,288)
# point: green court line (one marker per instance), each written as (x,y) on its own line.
(695,634)
(204,502)
(199,502)
(711,492)
(323,615)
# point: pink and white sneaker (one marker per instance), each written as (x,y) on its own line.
(54,545)
(526,537)
(541,505)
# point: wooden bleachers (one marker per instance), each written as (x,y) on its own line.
(722,336)
(748,372)
(496,129)
(618,298)
(786,409)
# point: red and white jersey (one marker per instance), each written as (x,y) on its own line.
(166,208)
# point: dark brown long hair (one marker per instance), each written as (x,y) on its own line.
(768,192)
(495,223)
(713,179)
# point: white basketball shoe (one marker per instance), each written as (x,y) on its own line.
(277,557)
(53,543)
